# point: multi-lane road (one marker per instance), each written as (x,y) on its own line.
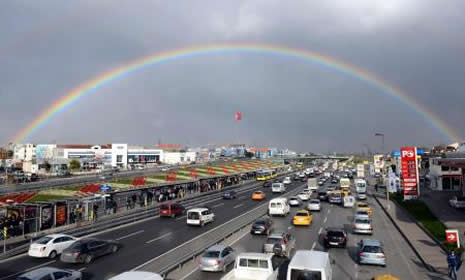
(151,238)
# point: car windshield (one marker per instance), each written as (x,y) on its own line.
(164,207)
(273,240)
(362,221)
(372,249)
(260,222)
(44,240)
(336,233)
(193,215)
(23,278)
(314,202)
(211,254)
(362,213)
(302,214)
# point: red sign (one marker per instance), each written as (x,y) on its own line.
(238,116)
(409,168)
(452,236)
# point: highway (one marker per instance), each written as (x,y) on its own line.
(401,260)
(142,241)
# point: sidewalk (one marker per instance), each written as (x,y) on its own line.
(430,253)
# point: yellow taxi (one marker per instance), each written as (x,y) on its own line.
(302,218)
(385,277)
(364,206)
(258,195)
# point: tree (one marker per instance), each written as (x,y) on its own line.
(249,154)
(74,164)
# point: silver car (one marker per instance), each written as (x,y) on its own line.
(370,251)
(363,225)
(51,273)
(217,258)
(285,239)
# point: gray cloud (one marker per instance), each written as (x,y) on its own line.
(52,47)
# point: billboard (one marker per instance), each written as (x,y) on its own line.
(409,169)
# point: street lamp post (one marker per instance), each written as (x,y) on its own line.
(382,147)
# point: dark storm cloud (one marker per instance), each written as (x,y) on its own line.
(55,46)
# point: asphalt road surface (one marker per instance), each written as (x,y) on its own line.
(142,241)
(401,260)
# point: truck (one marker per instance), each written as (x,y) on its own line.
(257,266)
(345,183)
(312,184)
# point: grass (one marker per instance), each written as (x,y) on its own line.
(420,211)
(125,181)
(46,197)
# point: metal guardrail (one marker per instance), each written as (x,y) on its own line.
(135,216)
(176,257)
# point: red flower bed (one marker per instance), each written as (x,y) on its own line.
(138,181)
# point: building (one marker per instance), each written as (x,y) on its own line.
(446,173)
(379,163)
(24,152)
(179,157)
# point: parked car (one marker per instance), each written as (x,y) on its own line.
(50,246)
(171,210)
(88,249)
(217,258)
(314,205)
(370,251)
(229,195)
(262,226)
(283,238)
(457,202)
(335,237)
(51,273)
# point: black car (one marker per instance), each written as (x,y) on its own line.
(335,237)
(267,184)
(262,226)
(229,195)
(323,195)
(88,249)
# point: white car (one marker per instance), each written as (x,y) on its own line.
(304,196)
(287,181)
(314,205)
(362,214)
(50,246)
(457,202)
(294,201)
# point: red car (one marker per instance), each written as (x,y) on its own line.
(171,210)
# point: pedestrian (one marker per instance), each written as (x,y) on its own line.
(452,261)
(376,187)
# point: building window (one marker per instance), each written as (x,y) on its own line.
(444,168)
(454,169)
(446,184)
(119,158)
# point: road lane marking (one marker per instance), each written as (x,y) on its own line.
(129,235)
(181,218)
(313,246)
(26,270)
(329,211)
(158,238)
(217,205)
(238,205)
(82,268)
(321,229)
(325,220)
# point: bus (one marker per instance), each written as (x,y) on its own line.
(266,175)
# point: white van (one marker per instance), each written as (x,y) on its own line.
(349,201)
(313,264)
(139,275)
(278,206)
(200,216)
(278,188)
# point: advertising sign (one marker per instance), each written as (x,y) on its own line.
(409,172)
(452,236)
(60,218)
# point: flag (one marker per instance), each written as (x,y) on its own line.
(238,116)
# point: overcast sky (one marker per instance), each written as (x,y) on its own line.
(50,47)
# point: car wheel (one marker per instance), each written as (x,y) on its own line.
(114,249)
(224,267)
(88,259)
(173,215)
(53,254)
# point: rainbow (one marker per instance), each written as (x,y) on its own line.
(92,85)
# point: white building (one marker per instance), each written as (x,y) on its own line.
(179,157)
(379,163)
(444,178)
(24,152)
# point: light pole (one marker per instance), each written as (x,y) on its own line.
(382,147)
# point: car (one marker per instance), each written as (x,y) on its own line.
(364,206)
(334,181)
(335,197)
(200,216)
(171,210)
(287,181)
(304,195)
(335,237)
(302,218)
(50,246)
(457,202)
(294,201)
(314,205)
(370,251)
(361,213)
(321,183)
(258,195)
(362,225)
(267,184)
(322,196)
(131,275)
(283,238)
(50,273)
(88,249)
(301,175)
(229,195)
(217,258)
(262,226)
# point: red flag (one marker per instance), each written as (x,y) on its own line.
(238,116)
